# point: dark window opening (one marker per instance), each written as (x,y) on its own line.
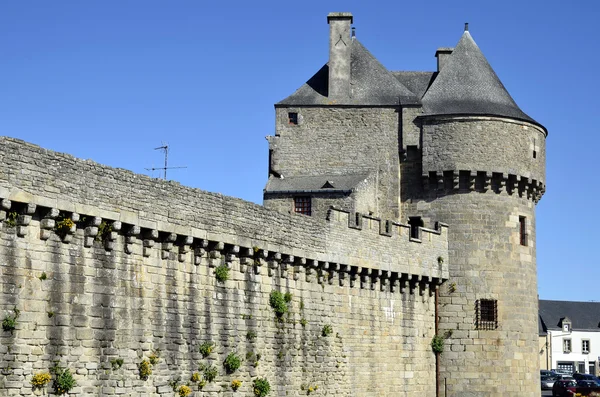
(415,222)
(487,314)
(534,154)
(293,118)
(523,230)
(302,205)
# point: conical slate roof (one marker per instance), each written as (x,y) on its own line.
(467,84)
(370,84)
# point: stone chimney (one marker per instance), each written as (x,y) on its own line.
(443,54)
(339,55)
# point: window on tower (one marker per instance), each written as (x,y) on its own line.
(293,118)
(302,205)
(486,314)
(523,230)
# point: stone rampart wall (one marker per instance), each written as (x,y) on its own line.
(135,275)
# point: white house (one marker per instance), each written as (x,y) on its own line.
(570,336)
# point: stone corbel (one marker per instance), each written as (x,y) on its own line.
(299,267)
(375,278)
(311,266)
(149,241)
(353,276)
(200,251)
(131,237)
(167,245)
(394,282)
(384,279)
(439,176)
(111,237)
(24,219)
(472,179)
(455,180)
(343,270)
(487,181)
(286,261)
(184,247)
(274,261)
(48,223)
(260,257)
(333,268)
(232,255)
(246,258)
(502,183)
(215,254)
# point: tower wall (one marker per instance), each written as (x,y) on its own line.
(480,177)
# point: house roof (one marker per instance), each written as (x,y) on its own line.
(416,82)
(584,316)
(371,84)
(467,84)
(314,184)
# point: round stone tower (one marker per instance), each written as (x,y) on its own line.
(483,172)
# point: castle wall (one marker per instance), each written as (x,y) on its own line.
(340,140)
(149,285)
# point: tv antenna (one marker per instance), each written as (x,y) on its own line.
(165,148)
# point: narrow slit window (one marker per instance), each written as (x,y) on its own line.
(302,205)
(293,118)
(486,314)
(534,154)
(523,230)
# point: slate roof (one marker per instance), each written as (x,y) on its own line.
(416,82)
(371,84)
(320,183)
(467,84)
(584,316)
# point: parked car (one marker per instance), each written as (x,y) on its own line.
(547,372)
(564,388)
(547,382)
(587,377)
(586,383)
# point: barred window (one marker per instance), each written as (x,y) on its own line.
(487,314)
(302,205)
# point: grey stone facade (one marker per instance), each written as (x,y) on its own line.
(456,148)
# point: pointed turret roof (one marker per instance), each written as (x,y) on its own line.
(467,84)
(371,84)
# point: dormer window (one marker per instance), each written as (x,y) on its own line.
(293,118)
(566,325)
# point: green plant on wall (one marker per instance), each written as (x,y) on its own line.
(40,380)
(9,323)
(64,225)
(206,348)
(261,387)
(222,273)
(104,229)
(251,335)
(184,391)
(437,344)
(63,380)
(144,369)
(154,357)
(43,276)
(278,303)
(11,219)
(116,363)
(210,373)
(327,330)
(232,363)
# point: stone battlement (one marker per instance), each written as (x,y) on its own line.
(192,223)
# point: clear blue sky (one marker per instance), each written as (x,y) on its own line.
(110,80)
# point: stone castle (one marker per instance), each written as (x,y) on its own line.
(399,213)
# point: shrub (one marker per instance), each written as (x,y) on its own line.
(232,363)
(236,384)
(277,302)
(104,229)
(327,330)
(116,363)
(145,369)
(39,380)
(251,335)
(184,391)
(287,297)
(210,373)
(10,322)
(63,381)
(206,348)
(201,384)
(154,358)
(43,276)
(261,387)
(195,377)
(303,322)
(11,219)
(222,273)
(64,225)
(437,344)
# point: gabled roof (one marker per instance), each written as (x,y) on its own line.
(467,84)
(416,82)
(370,84)
(315,184)
(584,316)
